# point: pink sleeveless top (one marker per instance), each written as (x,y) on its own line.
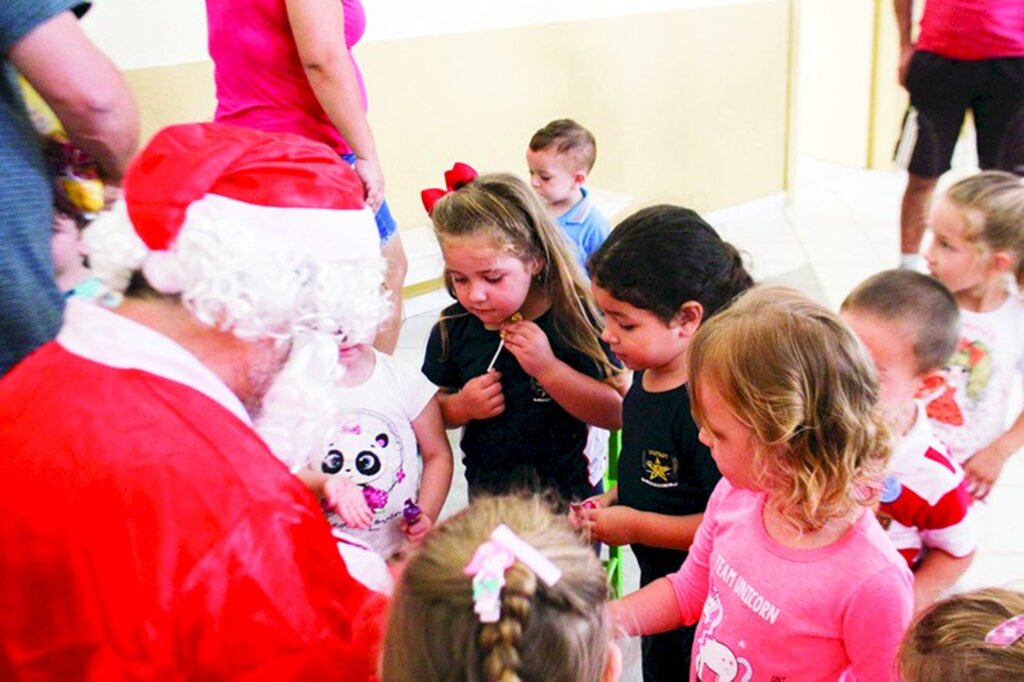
(260,80)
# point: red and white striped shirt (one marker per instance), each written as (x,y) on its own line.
(925,502)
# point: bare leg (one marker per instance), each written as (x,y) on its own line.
(914,212)
(394,279)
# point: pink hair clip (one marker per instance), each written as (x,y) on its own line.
(492,559)
(1007,632)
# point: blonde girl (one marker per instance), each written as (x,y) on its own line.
(976,636)
(790,575)
(518,359)
(977,251)
(558,632)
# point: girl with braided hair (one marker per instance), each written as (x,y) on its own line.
(503,591)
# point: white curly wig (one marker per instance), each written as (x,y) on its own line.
(232,279)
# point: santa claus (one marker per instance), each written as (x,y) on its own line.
(146,531)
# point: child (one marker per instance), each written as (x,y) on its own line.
(524,310)
(359,438)
(976,636)
(977,244)
(543,618)
(910,324)
(69,251)
(560,157)
(790,574)
(661,273)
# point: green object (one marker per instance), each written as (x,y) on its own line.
(613,564)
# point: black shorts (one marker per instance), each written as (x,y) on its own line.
(941,92)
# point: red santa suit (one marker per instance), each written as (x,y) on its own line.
(146,532)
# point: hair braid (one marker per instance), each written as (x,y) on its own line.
(499,642)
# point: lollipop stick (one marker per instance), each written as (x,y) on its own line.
(501,344)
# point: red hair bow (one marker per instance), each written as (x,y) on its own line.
(458,177)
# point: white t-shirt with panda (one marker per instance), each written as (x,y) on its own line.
(373,443)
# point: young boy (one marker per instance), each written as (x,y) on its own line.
(560,157)
(910,325)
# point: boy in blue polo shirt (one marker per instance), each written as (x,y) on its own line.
(560,157)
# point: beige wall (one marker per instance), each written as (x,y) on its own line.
(687,106)
(834,104)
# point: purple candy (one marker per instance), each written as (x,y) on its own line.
(412,512)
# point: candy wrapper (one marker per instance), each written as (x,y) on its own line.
(412,512)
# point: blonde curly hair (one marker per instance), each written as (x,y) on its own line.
(793,373)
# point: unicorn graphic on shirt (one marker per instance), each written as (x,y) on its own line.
(715,661)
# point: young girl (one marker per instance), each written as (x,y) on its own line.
(789,573)
(543,617)
(357,426)
(976,636)
(977,245)
(518,358)
(661,273)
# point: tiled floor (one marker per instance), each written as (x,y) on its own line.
(841,227)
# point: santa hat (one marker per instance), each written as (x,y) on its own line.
(292,193)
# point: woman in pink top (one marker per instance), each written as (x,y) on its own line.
(789,574)
(287,66)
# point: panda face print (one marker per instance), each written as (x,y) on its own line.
(362,467)
(365,448)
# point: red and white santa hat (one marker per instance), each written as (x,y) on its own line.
(294,194)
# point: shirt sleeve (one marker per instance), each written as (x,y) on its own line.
(18,18)
(877,617)
(416,390)
(692,579)
(437,365)
(951,525)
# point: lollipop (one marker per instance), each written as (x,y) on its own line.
(516,317)
(412,512)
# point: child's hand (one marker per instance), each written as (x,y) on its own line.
(482,397)
(576,509)
(346,499)
(610,525)
(415,532)
(982,470)
(530,345)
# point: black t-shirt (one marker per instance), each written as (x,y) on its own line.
(534,444)
(663,467)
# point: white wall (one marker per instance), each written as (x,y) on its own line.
(143,33)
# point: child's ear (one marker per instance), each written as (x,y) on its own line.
(612,663)
(580,177)
(537,266)
(931,383)
(689,317)
(1002,261)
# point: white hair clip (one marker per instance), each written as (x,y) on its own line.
(492,559)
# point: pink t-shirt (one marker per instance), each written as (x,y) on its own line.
(973,29)
(771,612)
(260,80)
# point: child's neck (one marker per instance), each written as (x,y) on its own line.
(906,417)
(560,207)
(668,376)
(985,297)
(66,281)
(358,367)
(783,531)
